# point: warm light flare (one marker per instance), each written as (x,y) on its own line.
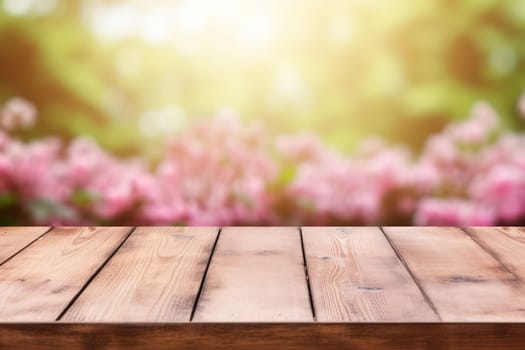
(244,25)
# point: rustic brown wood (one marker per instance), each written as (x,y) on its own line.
(356,276)
(38,283)
(13,239)
(256,274)
(463,281)
(506,244)
(282,336)
(154,277)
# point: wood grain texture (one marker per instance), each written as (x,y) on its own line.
(38,283)
(506,244)
(13,239)
(355,275)
(282,336)
(256,274)
(154,277)
(463,281)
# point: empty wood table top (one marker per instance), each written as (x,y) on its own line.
(262,287)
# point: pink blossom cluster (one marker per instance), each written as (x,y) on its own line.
(471,173)
(216,172)
(52,184)
(329,187)
(221,172)
(481,174)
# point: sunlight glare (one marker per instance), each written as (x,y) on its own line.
(25,7)
(164,121)
(243,25)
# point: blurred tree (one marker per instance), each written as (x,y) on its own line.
(127,71)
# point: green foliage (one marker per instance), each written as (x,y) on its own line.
(7,200)
(42,209)
(403,70)
(82,198)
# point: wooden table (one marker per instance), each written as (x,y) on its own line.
(262,288)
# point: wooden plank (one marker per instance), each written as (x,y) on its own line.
(13,239)
(264,336)
(38,283)
(154,277)
(463,281)
(506,244)
(256,274)
(355,275)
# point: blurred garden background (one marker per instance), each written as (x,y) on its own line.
(262,112)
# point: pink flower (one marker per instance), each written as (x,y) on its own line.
(452,212)
(306,146)
(329,187)
(17,113)
(34,170)
(216,172)
(221,172)
(425,176)
(502,188)
(481,124)
(483,113)
(440,150)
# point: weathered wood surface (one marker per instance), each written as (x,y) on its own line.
(154,277)
(256,274)
(13,240)
(262,288)
(37,284)
(356,276)
(506,244)
(462,280)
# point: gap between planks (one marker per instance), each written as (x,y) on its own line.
(205,274)
(256,275)
(203,278)
(466,231)
(412,275)
(26,246)
(492,253)
(90,279)
(209,261)
(307,276)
